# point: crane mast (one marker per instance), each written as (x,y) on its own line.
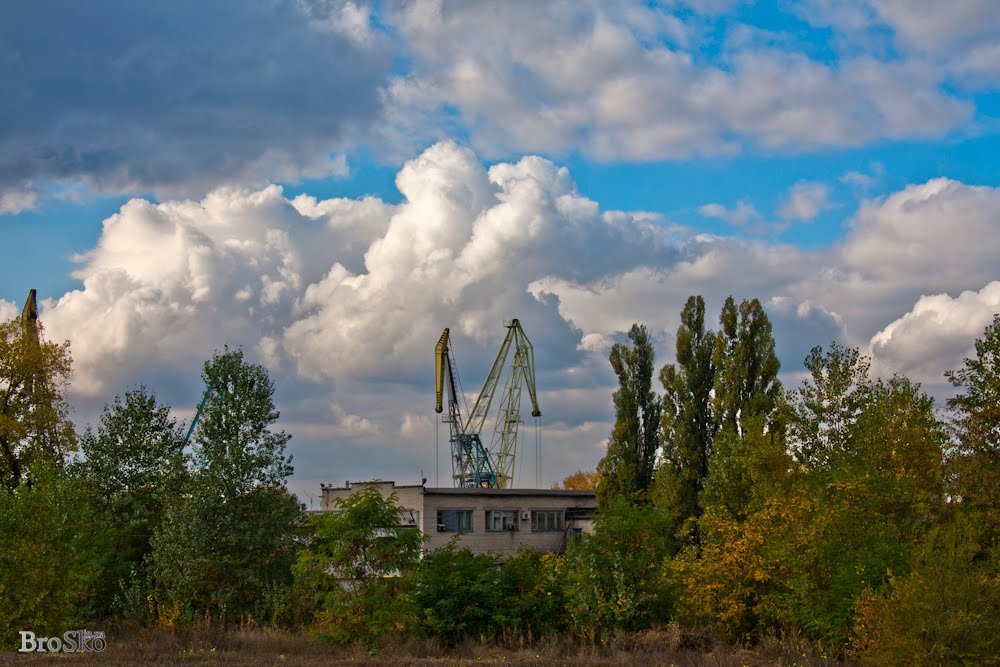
(472,464)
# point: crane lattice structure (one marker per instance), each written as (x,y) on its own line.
(473,465)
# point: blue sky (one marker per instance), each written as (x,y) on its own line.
(329,183)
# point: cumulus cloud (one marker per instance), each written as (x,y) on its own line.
(936,334)
(124,96)
(805,200)
(169,282)
(460,249)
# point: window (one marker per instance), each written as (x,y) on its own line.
(501,520)
(547,520)
(451,521)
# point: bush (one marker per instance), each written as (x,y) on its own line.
(944,611)
(51,556)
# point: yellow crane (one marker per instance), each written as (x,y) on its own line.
(474,465)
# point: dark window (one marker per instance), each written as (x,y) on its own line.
(501,520)
(547,520)
(452,521)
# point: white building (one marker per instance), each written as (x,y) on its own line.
(485,520)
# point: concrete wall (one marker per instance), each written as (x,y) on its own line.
(521,501)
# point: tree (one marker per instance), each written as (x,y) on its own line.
(825,407)
(132,468)
(747,381)
(612,576)
(454,593)
(748,447)
(51,555)
(689,425)
(580,481)
(356,558)
(34,422)
(226,545)
(627,468)
(976,461)
(235,448)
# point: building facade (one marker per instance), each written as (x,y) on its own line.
(500,521)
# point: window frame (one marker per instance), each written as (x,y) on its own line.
(491,515)
(559,517)
(459,513)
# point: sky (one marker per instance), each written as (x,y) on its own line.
(330,183)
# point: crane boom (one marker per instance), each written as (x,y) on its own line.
(471,465)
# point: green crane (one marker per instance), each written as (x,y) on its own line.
(474,465)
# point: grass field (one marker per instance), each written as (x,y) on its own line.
(259,647)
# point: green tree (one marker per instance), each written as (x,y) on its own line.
(826,406)
(747,404)
(226,546)
(34,421)
(627,468)
(688,423)
(886,469)
(52,553)
(942,612)
(454,594)
(132,467)
(975,462)
(747,382)
(235,449)
(357,555)
(612,576)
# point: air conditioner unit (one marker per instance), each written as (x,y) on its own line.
(525,516)
(442,527)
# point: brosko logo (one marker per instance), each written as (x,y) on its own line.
(70,642)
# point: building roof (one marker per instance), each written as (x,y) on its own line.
(447,491)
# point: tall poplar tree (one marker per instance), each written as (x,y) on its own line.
(747,383)
(689,425)
(627,468)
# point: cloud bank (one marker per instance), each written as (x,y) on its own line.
(344,298)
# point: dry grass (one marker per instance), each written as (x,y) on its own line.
(258,647)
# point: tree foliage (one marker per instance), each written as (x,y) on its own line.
(581,481)
(52,553)
(132,468)
(225,545)
(747,382)
(976,461)
(627,468)
(357,555)
(34,414)
(689,425)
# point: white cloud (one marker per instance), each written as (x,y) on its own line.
(8,310)
(741,214)
(805,200)
(16,201)
(936,334)
(623,81)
